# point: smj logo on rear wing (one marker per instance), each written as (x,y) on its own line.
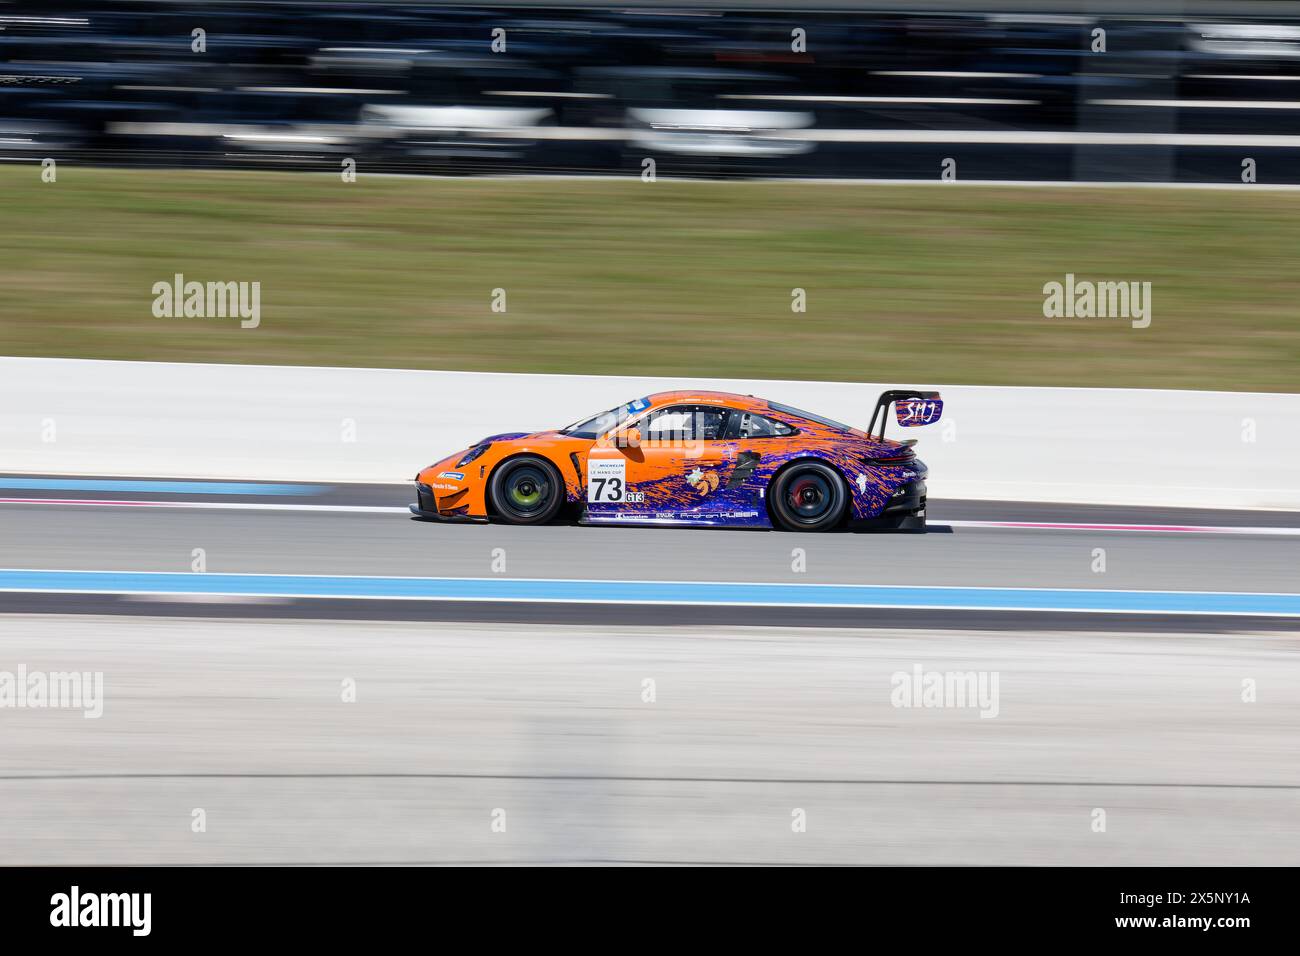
(911,408)
(918,411)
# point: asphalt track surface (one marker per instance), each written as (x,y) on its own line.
(451,722)
(87,524)
(234,705)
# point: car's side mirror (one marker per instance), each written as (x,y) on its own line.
(628,438)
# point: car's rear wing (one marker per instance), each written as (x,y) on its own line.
(911,407)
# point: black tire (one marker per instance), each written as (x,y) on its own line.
(808,496)
(526,490)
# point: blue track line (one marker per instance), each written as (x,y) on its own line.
(656,592)
(159,487)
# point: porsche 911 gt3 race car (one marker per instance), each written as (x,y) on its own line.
(693,458)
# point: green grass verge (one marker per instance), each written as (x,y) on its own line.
(904,284)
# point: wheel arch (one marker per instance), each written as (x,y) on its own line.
(488,507)
(804,459)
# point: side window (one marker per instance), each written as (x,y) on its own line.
(674,423)
(686,423)
(711,422)
(751,425)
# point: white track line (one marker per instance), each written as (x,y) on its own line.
(1111,526)
(393,509)
(206,505)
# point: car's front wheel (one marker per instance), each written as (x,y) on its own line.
(526,490)
(808,496)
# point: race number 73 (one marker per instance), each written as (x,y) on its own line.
(606,480)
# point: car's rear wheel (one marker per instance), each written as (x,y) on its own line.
(808,496)
(526,490)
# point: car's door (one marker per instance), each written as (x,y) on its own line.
(683,461)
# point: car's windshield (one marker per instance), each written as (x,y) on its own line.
(820,419)
(600,424)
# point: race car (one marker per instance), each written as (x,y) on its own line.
(693,458)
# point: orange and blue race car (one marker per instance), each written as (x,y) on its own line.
(693,458)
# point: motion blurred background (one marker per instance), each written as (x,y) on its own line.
(1079,91)
(142,138)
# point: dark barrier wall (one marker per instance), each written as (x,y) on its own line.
(901,93)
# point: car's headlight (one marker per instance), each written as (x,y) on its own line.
(472,454)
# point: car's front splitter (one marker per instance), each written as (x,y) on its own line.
(450,519)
